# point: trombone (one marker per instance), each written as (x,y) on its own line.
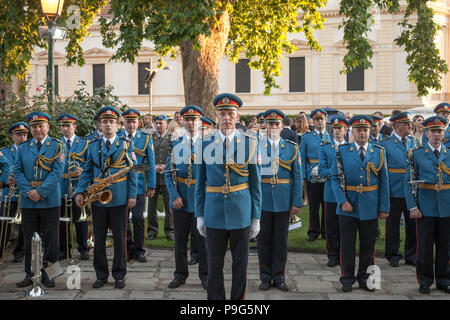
(6,219)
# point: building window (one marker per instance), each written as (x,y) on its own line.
(98,72)
(297,74)
(56,80)
(355,79)
(142,73)
(243,76)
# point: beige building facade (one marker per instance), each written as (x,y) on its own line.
(384,87)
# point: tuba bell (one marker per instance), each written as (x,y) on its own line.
(37,257)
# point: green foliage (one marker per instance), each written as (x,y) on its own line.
(425,65)
(81,104)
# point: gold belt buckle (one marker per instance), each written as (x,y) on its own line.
(226,189)
(188,181)
(359,188)
(273,180)
(438,187)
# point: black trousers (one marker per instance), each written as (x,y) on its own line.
(182,224)
(193,236)
(152,227)
(135,239)
(46,223)
(115,218)
(216,244)
(433,231)
(19,250)
(81,230)
(315,199)
(392,232)
(332,231)
(348,228)
(272,246)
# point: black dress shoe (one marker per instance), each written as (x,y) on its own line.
(84,256)
(410,263)
(120,284)
(49,283)
(193,260)
(24,283)
(141,258)
(151,237)
(444,288)
(205,284)
(264,286)
(346,288)
(99,283)
(176,283)
(282,286)
(424,289)
(312,238)
(394,263)
(332,263)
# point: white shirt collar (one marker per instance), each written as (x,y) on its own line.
(274,141)
(194,138)
(230,136)
(339,143)
(72,138)
(398,137)
(133,134)
(365,146)
(318,132)
(110,140)
(42,141)
(433,148)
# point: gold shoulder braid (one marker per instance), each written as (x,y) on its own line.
(78,156)
(371,167)
(141,152)
(287,164)
(120,159)
(442,167)
(238,168)
(43,160)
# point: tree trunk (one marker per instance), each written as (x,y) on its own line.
(201,67)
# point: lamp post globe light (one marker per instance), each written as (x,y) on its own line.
(52,9)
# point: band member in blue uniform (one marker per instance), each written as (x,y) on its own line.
(326,157)
(97,133)
(375,135)
(37,171)
(309,148)
(396,147)
(282,191)
(228,197)
(442,110)
(427,192)
(76,158)
(143,148)
(110,157)
(18,133)
(361,188)
(180,182)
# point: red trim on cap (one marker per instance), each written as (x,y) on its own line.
(361,123)
(19,129)
(272,117)
(403,118)
(108,113)
(435,124)
(38,119)
(443,108)
(194,113)
(319,114)
(338,124)
(221,103)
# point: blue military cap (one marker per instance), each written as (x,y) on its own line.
(401,117)
(319,113)
(274,115)
(160,117)
(339,121)
(67,118)
(207,122)
(37,117)
(444,106)
(434,122)
(191,111)
(361,121)
(108,112)
(19,127)
(376,119)
(131,114)
(260,117)
(227,101)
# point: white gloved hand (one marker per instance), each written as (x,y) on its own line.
(201,226)
(254,228)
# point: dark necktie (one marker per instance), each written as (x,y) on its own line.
(274,148)
(108,144)
(436,153)
(69,144)
(404,141)
(226,144)
(130,136)
(361,153)
(321,135)
(39,145)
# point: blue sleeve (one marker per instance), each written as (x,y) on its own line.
(47,187)
(151,172)
(297,183)
(133,178)
(303,155)
(339,194)
(254,179)
(168,179)
(324,171)
(200,188)
(5,168)
(19,173)
(87,176)
(383,196)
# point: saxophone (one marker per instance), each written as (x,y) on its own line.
(95,192)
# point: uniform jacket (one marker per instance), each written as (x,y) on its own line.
(143,148)
(309,150)
(280,197)
(93,135)
(45,166)
(326,157)
(235,209)
(446,136)
(396,158)
(181,157)
(98,158)
(430,202)
(10,153)
(366,205)
(76,156)
(161,145)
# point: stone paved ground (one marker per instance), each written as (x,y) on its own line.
(306,274)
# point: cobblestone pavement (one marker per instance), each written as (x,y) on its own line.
(307,276)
